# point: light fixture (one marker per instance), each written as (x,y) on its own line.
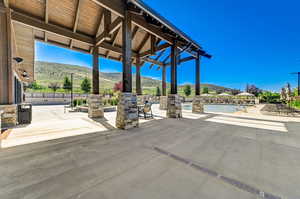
(18,59)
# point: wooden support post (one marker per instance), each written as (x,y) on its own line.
(138,76)
(174,69)
(197,82)
(127,40)
(96,71)
(6,71)
(164,84)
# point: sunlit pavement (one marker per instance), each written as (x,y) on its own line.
(212,156)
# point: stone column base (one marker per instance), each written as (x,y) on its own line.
(127,113)
(9,116)
(174,106)
(163,102)
(197,105)
(95,106)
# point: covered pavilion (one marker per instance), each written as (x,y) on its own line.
(124,30)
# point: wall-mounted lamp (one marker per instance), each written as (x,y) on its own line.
(18,59)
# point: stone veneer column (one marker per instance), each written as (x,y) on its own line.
(95,106)
(174,106)
(197,105)
(127,113)
(9,115)
(163,101)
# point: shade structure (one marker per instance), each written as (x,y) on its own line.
(224,94)
(207,95)
(246,94)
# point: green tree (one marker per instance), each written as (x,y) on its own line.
(187,90)
(86,85)
(67,84)
(158,91)
(205,90)
(54,86)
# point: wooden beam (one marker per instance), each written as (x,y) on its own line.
(164,82)
(46,11)
(127,52)
(141,22)
(114,37)
(173,69)
(115,6)
(182,60)
(158,48)
(54,29)
(96,71)
(77,15)
(152,44)
(40,39)
(107,23)
(6,3)
(158,56)
(138,76)
(6,65)
(134,32)
(197,73)
(99,24)
(112,28)
(144,41)
(153,61)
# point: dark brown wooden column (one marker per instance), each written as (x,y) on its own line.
(164,84)
(96,71)
(197,82)
(6,71)
(174,69)
(127,39)
(138,76)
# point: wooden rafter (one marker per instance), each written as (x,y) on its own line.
(114,37)
(144,41)
(46,17)
(182,60)
(77,15)
(107,23)
(55,29)
(76,19)
(152,44)
(134,32)
(112,28)
(158,57)
(99,24)
(158,48)
(6,3)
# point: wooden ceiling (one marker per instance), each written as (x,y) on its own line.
(81,24)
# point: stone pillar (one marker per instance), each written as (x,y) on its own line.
(127,114)
(174,106)
(9,116)
(197,105)
(163,101)
(95,106)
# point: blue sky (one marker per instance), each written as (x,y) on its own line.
(256,42)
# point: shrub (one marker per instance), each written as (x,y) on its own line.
(269,97)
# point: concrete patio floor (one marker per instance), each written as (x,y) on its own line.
(52,122)
(129,164)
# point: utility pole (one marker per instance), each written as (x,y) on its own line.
(298,73)
(72,90)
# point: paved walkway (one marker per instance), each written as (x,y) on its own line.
(167,158)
